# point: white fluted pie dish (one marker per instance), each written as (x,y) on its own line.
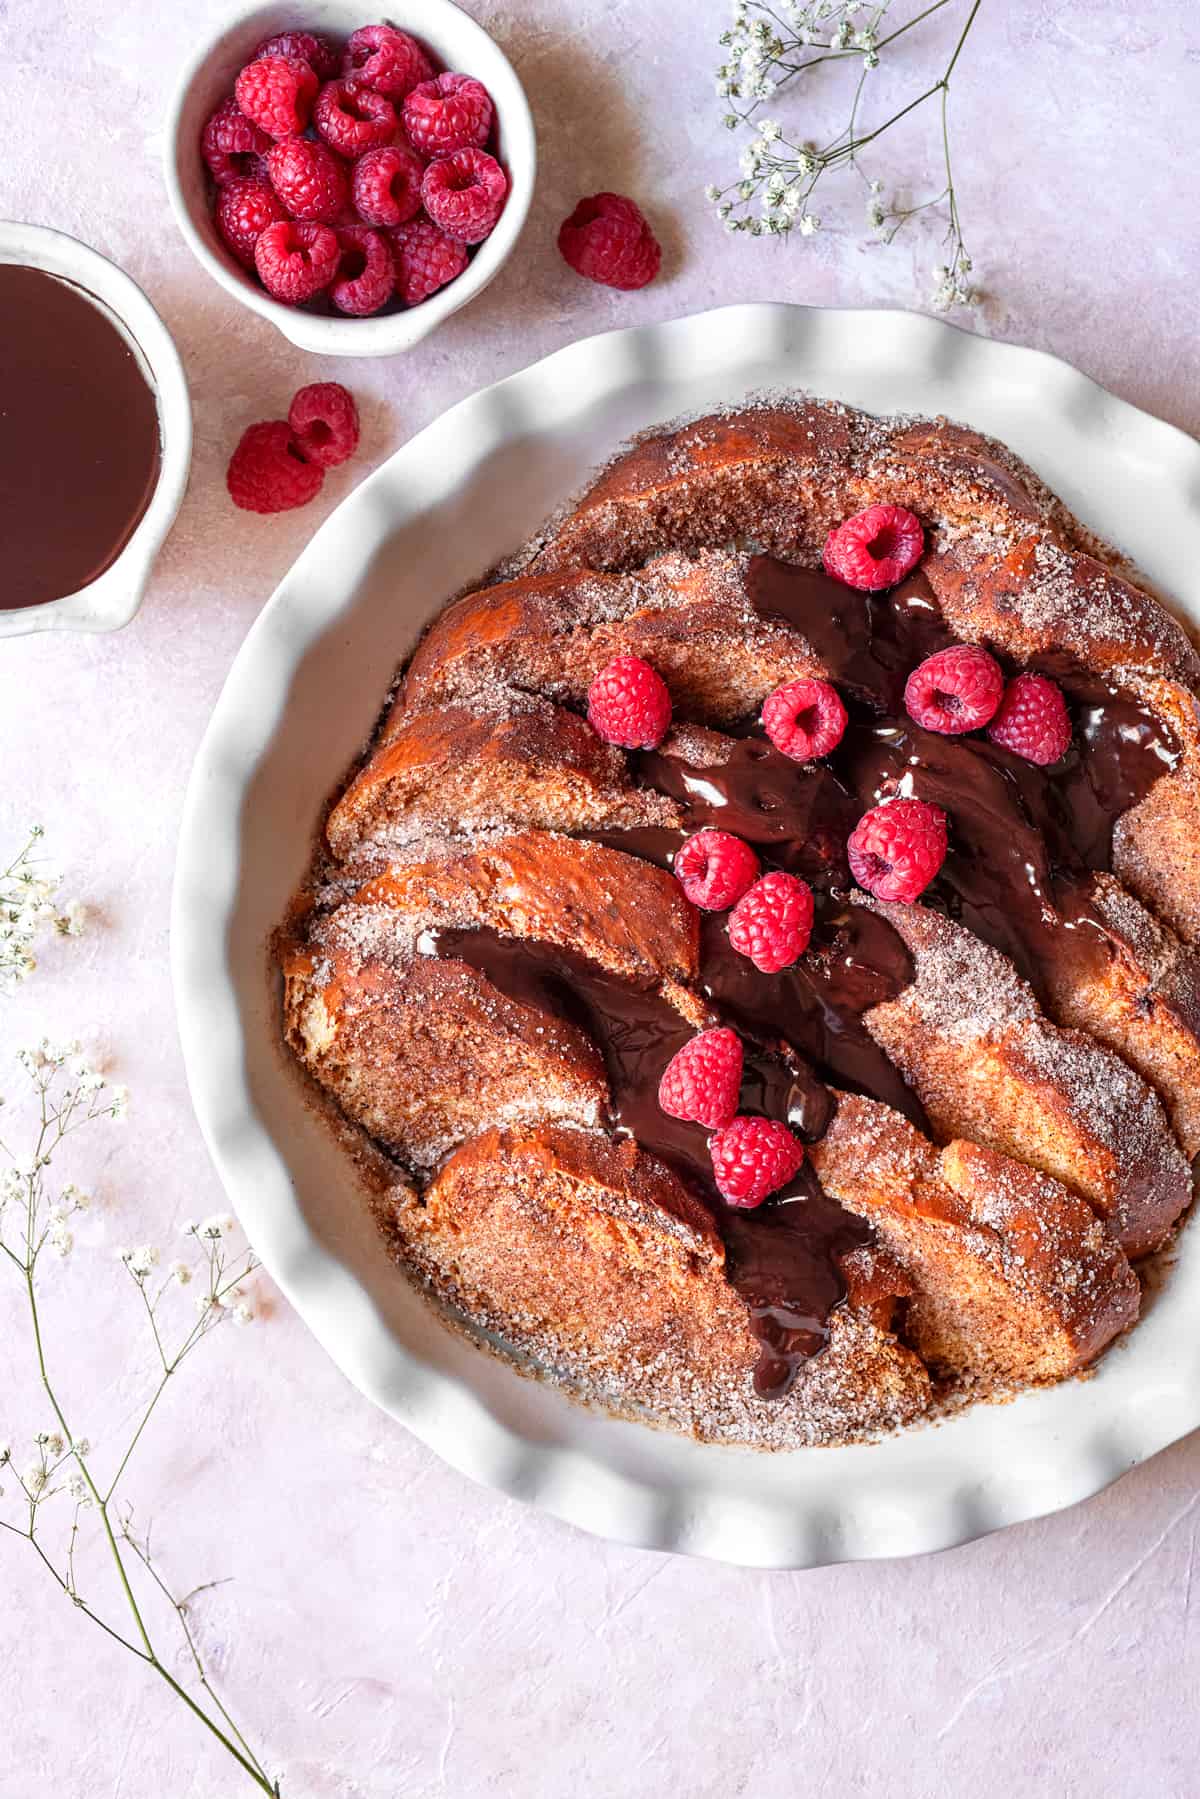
(299,701)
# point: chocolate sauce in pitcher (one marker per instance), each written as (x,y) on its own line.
(80,450)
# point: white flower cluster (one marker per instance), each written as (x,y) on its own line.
(951,284)
(755,52)
(770,45)
(27,911)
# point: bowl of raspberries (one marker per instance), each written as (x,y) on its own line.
(352,182)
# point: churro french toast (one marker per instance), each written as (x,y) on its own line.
(763,935)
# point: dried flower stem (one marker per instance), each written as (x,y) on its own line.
(69,1095)
(764,56)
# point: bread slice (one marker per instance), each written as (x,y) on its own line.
(971,1040)
(626,915)
(1140,996)
(591,1259)
(419,1051)
(1013,1277)
(521,762)
(692,618)
(1010,563)
(424,1051)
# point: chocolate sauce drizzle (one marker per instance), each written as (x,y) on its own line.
(783,1259)
(1024,843)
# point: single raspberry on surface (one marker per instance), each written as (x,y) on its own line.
(296,259)
(715,868)
(804,719)
(324,421)
(277,93)
(772,922)
(895,850)
(629,704)
(268,473)
(320,53)
(958,689)
(309,179)
(702,1081)
(388,60)
(464,193)
(451,112)
(366,272)
(875,548)
(608,239)
(753,1158)
(1033,720)
(425,259)
(232,145)
(353,118)
(387,185)
(244,210)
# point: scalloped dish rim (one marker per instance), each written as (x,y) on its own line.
(463,493)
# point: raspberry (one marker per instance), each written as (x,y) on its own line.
(232,145)
(957,690)
(753,1157)
(805,719)
(388,60)
(295,260)
(451,112)
(324,419)
(607,239)
(277,93)
(353,118)
(464,193)
(320,53)
(308,178)
(425,259)
(629,704)
(702,1081)
(267,473)
(895,850)
(366,273)
(772,922)
(875,548)
(714,869)
(1033,720)
(387,185)
(243,212)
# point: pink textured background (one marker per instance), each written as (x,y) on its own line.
(389,1630)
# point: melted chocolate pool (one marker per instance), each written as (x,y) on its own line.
(1024,843)
(79,438)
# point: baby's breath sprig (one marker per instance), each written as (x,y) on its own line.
(58,1487)
(766,51)
(28,910)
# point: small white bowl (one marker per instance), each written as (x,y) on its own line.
(456,42)
(111,600)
